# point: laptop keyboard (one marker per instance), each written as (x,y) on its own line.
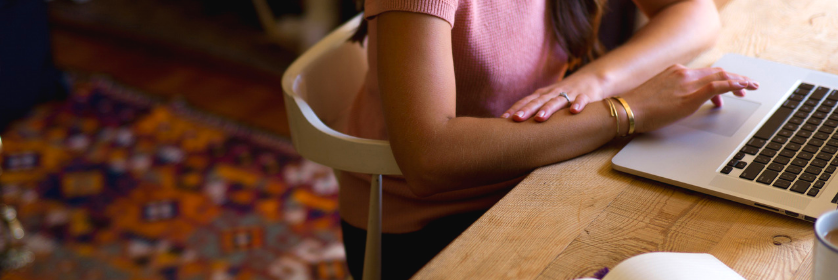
(795,149)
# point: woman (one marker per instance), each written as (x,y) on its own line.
(469,94)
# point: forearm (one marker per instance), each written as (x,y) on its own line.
(674,34)
(468,152)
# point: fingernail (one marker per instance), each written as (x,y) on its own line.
(505,115)
(541,114)
(742,83)
(576,107)
(756,84)
(520,114)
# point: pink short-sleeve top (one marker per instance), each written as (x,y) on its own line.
(503,50)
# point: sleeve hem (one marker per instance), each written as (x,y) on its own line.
(443,9)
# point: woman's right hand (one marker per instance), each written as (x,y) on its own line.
(677,92)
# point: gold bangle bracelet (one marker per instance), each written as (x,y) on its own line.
(613,110)
(628,112)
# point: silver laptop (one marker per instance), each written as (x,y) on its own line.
(774,149)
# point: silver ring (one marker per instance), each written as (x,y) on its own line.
(564,94)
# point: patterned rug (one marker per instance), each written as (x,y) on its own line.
(112,184)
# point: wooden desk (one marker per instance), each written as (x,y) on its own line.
(571,219)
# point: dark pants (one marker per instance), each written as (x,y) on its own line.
(402,255)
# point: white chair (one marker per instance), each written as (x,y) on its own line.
(319,89)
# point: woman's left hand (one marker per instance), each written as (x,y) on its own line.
(581,90)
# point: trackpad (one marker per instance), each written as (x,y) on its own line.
(723,121)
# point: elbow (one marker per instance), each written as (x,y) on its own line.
(425,176)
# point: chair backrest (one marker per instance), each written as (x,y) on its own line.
(319,88)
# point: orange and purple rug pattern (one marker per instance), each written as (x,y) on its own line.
(111,184)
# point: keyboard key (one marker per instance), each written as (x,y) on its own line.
(819,93)
(819,184)
(833,117)
(750,150)
(819,115)
(830,169)
(829,150)
(785,133)
(824,157)
(816,142)
(782,160)
(804,133)
(783,184)
(762,159)
(835,199)
(798,139)
(811,149)
(776,167)
(756,142)
(834,162)
(824,177)
(811,102)
(821,136)
(831,123)
(774,146)
(800,162)
(790,126)
(740,164)
(773,123)
(794,169)
(793,147)
(727,169)
(801,114)
(819,163)
(833,96)
(830,103)
(809,127)
(752,171)
(800,187)
(807,177)
(780,139)
(788,153)
(788,176)
(825,109)
(805,108)
(813,121)
(796,120)
(732,162)
(802,91)
(805,155)
(813,170)
(805,86)
(832,142)
(739,155)
(813,192)
(767,177)
(768,153)
(791,104)
(826,129)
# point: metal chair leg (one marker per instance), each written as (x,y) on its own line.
(372,257)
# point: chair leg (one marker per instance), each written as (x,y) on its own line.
(372,257)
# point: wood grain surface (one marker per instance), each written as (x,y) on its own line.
(570,219)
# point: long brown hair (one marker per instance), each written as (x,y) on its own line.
(575,25)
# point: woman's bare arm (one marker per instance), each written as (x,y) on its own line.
(677,31)
(438,151)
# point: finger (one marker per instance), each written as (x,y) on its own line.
(718,74)
(719,87)
(549,108)
(579,103)
(530,109)
(519,104)
(717,101)
(740,93)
